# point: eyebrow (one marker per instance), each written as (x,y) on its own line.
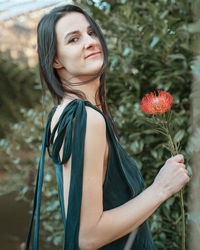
(74,32)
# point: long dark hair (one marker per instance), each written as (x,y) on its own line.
(46,47)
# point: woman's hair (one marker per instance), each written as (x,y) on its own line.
(46,46)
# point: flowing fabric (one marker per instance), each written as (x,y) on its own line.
(123,180)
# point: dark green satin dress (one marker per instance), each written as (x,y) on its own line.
(123,180)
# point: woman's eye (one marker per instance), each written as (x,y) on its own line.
(74,39)
(92,32)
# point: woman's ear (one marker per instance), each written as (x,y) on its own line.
(56,63)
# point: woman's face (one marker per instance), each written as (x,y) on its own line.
(76,41)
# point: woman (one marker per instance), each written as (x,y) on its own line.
(100,187)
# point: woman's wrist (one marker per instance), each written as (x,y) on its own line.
(158,192)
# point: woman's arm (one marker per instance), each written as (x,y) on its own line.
(135,211)
(98,227)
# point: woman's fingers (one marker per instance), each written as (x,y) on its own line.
(173,175)
(187,172)
(181,165)
(177,158)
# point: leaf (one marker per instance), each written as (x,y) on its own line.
(194,27)
(176,57)
(137,147)
(154,153)
(179,136)
(189,170)
(24,190)
(127,51)
(57,240)
(154,41)
(166,211)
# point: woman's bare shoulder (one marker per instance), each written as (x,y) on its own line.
(94,117)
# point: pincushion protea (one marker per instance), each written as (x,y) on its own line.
(153,104)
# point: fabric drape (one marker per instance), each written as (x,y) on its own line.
(123,180)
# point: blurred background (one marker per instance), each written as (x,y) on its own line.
(152,45)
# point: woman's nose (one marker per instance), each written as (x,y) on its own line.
(90,41)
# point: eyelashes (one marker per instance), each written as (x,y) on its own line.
(75,39)
(72,40)
(92,31)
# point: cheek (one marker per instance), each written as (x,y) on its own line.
(71,57)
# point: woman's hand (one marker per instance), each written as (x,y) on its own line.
(172,176)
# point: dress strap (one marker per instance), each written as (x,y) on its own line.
(75,193)
(38,190)
(74,110)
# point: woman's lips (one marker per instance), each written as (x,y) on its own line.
(93,54)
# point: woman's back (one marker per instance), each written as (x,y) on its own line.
(67,165)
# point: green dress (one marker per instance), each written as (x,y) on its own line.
(123,180)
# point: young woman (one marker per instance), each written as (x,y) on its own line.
(100,187)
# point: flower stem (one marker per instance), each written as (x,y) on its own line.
(174,152)
(183,219)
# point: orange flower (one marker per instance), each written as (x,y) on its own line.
(153,104)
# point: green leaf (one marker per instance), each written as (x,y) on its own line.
(57,240)
(176,57)
(127,51)
(194,27)
(179,136)
(154,41)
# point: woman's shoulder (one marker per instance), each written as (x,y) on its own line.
(94,117)
(58,111)
(89,126)
(95,123)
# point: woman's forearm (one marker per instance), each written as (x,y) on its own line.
(117,222)
(161,199)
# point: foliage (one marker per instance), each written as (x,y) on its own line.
(21,158)
(19,87)
(149,48)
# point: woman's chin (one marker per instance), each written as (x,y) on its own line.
(92,70)
(95,68)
